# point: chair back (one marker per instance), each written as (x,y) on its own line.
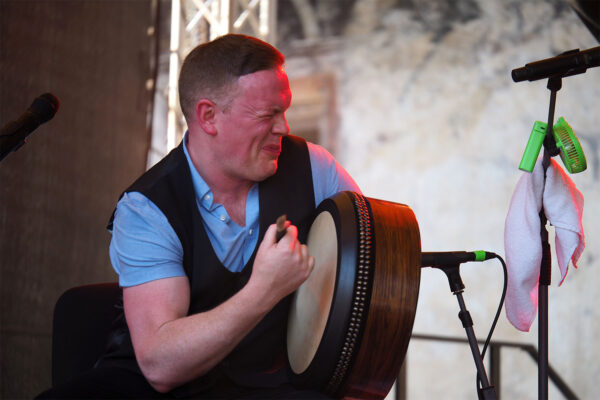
(82,320)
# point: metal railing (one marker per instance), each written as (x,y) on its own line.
(494,365)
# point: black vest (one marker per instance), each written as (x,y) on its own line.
(259,359)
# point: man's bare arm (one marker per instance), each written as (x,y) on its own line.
(173,348)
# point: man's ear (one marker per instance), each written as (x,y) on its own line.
(206,113)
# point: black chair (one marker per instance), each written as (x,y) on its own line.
(83,317)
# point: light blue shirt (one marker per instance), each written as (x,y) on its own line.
(144,246)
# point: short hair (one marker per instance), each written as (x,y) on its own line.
(212,69)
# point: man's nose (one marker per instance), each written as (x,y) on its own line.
(281,126)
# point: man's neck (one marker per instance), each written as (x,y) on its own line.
(227,190)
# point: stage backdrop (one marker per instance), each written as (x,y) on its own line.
(58,191)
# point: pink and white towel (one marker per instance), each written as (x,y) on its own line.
(563,205)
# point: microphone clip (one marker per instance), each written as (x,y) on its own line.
(452,272)
(449,262)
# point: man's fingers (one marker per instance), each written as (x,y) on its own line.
(311,264)
(291,234)
(304,251)
(270,234)
(308,259)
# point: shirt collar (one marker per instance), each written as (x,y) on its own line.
(204,195)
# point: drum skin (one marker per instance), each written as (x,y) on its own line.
(368,298)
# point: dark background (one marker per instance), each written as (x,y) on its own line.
(58,191)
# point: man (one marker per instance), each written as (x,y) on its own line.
(205,282)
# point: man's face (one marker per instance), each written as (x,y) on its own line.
(249,130)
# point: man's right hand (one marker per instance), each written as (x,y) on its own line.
(280,267)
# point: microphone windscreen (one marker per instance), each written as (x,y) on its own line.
(45,107)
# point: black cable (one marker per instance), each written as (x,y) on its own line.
(489,337)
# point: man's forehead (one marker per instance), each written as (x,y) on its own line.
(265,85)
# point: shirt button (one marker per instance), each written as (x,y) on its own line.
(249,231)
(207,197)
(222,217)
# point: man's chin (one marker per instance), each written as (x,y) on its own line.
(267,172)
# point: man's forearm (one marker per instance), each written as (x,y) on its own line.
(185,348)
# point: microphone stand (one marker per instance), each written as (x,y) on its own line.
(488,391)
(569,63)
(550,150)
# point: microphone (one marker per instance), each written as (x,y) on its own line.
(451,258)
(13,134)
(569,63)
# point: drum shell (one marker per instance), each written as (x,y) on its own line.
(388,309)
(393,303)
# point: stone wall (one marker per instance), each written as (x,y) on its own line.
(428,115)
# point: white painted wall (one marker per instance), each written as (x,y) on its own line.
(441,126)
